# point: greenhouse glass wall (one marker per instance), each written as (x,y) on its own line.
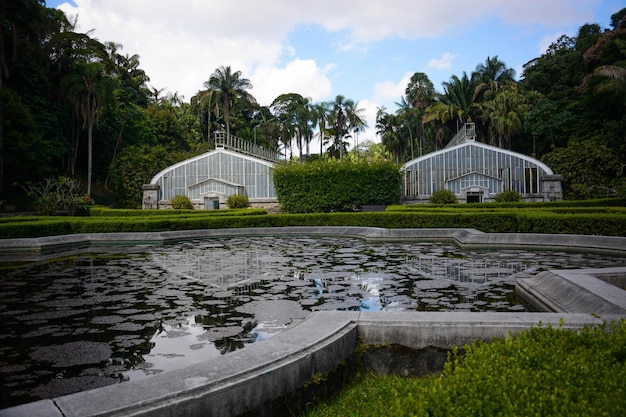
(476,172)
(209,179)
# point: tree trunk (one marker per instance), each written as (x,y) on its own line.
(89,154)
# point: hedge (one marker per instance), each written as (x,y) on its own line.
(543,371)
(329,186)
(106,212)
(524,221)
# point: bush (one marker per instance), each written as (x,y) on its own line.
(331,185)
(57,196)
(508,197)
(181,202)
(443,197)
(236,201)
(543,371)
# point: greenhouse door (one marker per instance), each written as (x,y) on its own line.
(211,203)
(474,197)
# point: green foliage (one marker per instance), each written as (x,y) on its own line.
(107,212)
(541,371)
(490,217)
(590,169)
(236,201)
(59,196)
(331,185)
(134,167)
(26,155)
(507,197)
(181,202)
(443,197)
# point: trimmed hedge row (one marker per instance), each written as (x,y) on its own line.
(106,212)
(490,222)
(329,186)
(613,203)
(543,371)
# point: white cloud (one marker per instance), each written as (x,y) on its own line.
(299,76)
(181,43)
(370,110)
(443,62)
(389,91)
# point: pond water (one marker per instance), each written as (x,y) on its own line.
(90,320)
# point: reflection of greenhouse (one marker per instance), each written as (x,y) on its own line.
(476,172)
(222,267)
(235,167)
(480,271)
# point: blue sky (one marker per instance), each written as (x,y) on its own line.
(365,50)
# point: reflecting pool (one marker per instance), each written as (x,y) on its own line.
(89,320)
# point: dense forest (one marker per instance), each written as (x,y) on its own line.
(72,106)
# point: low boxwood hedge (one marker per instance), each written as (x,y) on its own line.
(543,371)
(525,221)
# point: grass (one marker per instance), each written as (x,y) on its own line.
(543,371)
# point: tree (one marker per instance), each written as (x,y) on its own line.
(387,128)
(294,112)
(90,91)
(319,116)
(16,18)
(344,117)
(420,91)
(589,168)
(456,105)
(492,76)
(506,114)
(229,87)
(548,125)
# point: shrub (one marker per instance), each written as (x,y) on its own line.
(543,371)
(508,197)
(331,185)
(236,201)
(443,197)
(58,196)
(181,202)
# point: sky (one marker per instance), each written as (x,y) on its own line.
(365,50)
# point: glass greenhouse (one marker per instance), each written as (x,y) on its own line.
(476,172)
(209,179)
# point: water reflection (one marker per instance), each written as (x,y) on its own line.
(95,319)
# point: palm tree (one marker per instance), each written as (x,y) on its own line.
(492,76)
(387,128)
(420,91)
(229,87)
(506,113)
(295,113)
(319,116)
(410,117)
(90,91)
(457,105)
(344,117)
(207,104)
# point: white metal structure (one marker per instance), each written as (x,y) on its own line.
(218,173)
(474,171)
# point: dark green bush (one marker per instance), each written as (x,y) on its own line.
(508,197)
(106,212)
(443,197)
(181,202)
(543,371)
(494,219)
(330,185)
(236,201)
